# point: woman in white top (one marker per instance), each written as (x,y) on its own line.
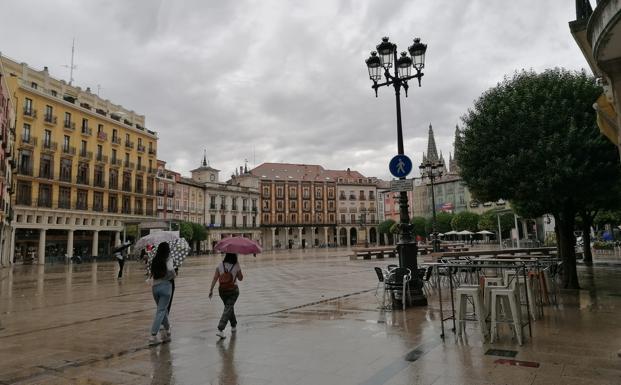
(227,273)
(162,272)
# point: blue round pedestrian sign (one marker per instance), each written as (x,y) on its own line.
(400,166)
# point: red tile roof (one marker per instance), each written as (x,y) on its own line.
(303,172)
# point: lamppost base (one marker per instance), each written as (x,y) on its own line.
(408,253)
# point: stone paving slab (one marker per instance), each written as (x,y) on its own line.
(305,317)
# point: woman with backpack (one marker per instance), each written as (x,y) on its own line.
(227,273)
(162,272)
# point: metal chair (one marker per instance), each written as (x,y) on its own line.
(380,282)
(398,282)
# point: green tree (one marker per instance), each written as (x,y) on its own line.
(418,226)
(443,222)
(186,231)
(533,140)
(199,234)
(384,227)
(465,220)
(489,221)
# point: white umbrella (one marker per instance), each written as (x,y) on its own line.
(156,238)
(465,232)
(452,232)
(484,232)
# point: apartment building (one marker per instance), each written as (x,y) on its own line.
(298,205)
(85,167)
(231,208)
(7,140)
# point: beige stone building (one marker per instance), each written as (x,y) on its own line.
(7,143)
(85,168)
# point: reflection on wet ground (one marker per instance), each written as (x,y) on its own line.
(307,317)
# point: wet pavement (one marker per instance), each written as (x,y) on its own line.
(305,317)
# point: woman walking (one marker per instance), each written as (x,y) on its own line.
(227,273)
(162,272)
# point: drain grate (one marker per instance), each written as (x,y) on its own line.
(528,364)
(501,353)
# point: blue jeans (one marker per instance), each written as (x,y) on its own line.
(161,294)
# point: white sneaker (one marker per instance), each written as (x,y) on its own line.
(233,329)
(165,335)
(153,340)
(220,334)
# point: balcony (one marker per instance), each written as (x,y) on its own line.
(101,158)
(45,173)
(361,198)
(151,151)
(65,177)
(86,155)
(27,141)
(115,163)
(352,197)
(234,207)
(50,119)
(129,144)
(149,190)
(30,113)
(102,136)
(140,148)
(160,191)
(99,182)
(342,197)
(114,185)
(170,193)
(127,187)
(139,189)
(212,206)
(87,131)
(44,201)
(68,150)
(25,169)
(49,146)
(82,179)
(128,165)
(603,31)
(141,168)
(116,140)
(69,125)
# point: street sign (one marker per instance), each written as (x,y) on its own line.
(401,185)
(400,166)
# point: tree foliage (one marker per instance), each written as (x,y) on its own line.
(418,226)
(186,231)
(384,227)
(443,222)
(465,220)
(489,221)
(533,140)
(199,233)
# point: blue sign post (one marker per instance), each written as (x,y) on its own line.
(400,166)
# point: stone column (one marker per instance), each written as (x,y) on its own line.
(325,236)
(312,229)
(69,244)
(12,246)
(348,238)
(117,238)
(41,246)
(95,247)
(273,238)
(286,237)
(300,236)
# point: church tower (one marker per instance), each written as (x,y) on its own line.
(432,151)
(205,173)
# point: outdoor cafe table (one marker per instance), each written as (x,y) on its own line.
(520,267)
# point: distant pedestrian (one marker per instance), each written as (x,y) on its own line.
(120,258)
(162,272)
(227,273)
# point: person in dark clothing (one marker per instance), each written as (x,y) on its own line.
(120,257)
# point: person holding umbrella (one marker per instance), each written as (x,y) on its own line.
(162,271)
(227,273)
(120,253)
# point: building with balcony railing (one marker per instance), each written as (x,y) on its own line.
(598,34)
(7,142)
(62,204)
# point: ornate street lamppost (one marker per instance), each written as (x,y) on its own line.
(432,170)
(380,63)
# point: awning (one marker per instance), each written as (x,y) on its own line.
(607,119)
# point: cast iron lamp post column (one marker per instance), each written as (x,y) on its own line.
(432,171)
(379,63)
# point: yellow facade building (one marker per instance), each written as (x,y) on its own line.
(85,167)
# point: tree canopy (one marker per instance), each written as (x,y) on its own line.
(465,220)
(533,140)
(384,227)
(418,226)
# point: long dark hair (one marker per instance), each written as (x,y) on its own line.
(230,258)
(158,265)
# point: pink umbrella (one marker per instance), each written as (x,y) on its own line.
(239,245)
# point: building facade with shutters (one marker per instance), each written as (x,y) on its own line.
(7,141)
(85,167)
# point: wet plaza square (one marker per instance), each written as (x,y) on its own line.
(305,317)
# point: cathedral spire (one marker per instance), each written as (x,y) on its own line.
(432,150)
(204,164)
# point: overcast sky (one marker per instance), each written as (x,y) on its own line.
(285,81)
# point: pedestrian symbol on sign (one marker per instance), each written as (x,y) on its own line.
(400,166)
